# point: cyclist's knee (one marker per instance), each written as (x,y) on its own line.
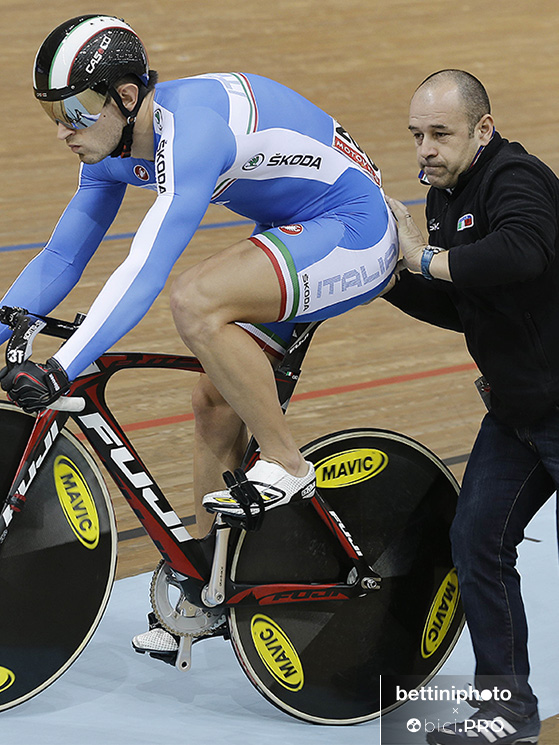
(191,307)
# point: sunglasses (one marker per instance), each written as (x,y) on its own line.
(78,111)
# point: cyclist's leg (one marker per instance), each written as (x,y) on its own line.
(220,440)
(220,436)
(238,284)
(317,269)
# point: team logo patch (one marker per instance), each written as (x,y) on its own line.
(465,222)
(141,173)
(292,229)
(254,162)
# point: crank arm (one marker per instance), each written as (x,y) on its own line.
(184,654)
(214,592)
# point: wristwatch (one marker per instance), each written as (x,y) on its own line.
(426,258)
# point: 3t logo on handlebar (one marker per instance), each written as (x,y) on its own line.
(15,356)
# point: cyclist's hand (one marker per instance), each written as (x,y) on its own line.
(33,386)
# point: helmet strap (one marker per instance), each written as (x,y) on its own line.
(124,147)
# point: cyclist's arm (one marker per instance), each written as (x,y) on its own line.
(195,151)
(50,276)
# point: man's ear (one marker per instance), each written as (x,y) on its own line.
(129,94)
(485,128)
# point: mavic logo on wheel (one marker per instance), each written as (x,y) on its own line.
(277,653)
(77,502)
(440,615)
(350,467)
(7,678)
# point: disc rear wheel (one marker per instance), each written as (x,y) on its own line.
(339,662)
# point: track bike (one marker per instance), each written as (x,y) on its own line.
(329,606)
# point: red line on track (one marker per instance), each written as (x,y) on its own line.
(335,391)
(385,381)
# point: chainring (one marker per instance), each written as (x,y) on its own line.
(177,615)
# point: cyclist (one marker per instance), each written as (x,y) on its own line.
(324,239)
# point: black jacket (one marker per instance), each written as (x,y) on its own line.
(500,224)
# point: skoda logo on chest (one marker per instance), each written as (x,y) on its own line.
(254,162)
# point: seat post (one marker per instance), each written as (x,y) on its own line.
(289,369)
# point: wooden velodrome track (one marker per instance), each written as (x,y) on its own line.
(360,60)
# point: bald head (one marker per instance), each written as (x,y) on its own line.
(470,92)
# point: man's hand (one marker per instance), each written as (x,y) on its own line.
(33,386)
(412,244)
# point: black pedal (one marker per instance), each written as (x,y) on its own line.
(168,657)
(247,495)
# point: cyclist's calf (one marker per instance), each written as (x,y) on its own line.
(216,422)
(220,439)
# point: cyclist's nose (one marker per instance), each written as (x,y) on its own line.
(63,132)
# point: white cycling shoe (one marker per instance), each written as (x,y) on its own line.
(157,640)
(274,484)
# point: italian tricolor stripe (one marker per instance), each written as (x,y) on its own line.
(284,267)
(266,339)
(252,118)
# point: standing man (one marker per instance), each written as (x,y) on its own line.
(324,240)
(491,271)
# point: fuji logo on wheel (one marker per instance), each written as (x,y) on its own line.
(292,229)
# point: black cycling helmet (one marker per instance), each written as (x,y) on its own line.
(80,62)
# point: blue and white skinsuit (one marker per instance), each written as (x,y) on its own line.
(263,151)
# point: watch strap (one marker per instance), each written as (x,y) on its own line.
(426,258)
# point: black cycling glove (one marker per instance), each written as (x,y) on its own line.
(32,386)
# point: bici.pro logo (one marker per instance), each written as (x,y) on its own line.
(413,725)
